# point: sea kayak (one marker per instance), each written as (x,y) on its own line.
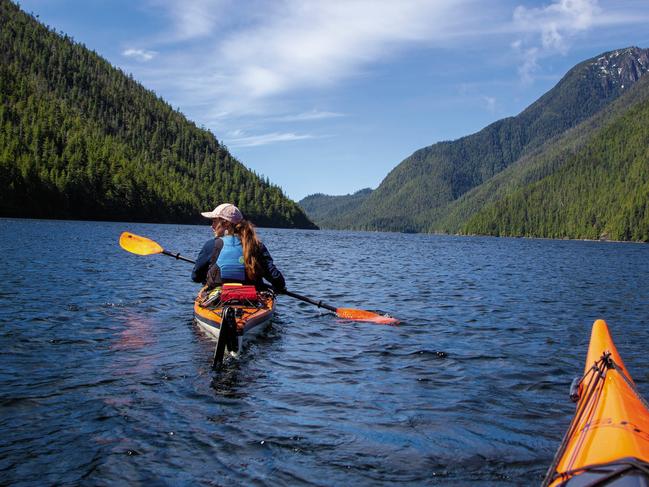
(232,314)
(607,442)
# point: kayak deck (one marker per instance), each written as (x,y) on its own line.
(251,315)
(607,442)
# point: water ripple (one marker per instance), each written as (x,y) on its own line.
(104,379)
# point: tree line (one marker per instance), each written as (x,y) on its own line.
(82,139)
(602,192)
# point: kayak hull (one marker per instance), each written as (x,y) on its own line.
(611,424)
(251,318)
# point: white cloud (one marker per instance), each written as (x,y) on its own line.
(241,140)
(139,54)
(557,22)
(191,19)
(226,60)
(306,116)
(307,44)
(549,30)
(529,64)
(490,103)
(266,50)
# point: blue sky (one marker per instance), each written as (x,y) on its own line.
(328,96)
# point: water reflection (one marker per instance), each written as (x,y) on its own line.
(104,379)
(136,335)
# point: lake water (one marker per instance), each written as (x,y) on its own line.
(104,379)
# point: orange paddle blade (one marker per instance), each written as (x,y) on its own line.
(139,245)
(362,315)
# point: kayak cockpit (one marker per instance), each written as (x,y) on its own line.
(233,314)
(607,442)
(625,472)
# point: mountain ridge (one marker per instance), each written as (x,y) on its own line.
(538,165)
(600,191)
(416,195)
(81,139)
(319,206)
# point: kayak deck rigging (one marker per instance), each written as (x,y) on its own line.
(607,442)
(630,468)
(604,471)
(231,313)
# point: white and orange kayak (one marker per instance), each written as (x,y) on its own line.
(607,442)
(232,314)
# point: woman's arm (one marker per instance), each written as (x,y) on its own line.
(271,273)
(199,274)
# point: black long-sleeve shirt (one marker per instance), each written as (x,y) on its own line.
(270,272)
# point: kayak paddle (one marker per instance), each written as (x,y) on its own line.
(348,313)
(144,246)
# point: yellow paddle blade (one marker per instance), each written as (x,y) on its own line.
(362,315)
(139,245)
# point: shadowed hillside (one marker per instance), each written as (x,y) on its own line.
(423,191)
(81,139)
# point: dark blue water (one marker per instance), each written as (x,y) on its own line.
(104,379)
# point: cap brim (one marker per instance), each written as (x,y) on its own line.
(208,214)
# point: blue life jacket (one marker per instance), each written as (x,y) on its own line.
(230,260)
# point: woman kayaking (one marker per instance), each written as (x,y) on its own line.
(235,254)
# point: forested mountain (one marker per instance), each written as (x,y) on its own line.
(544,162)
(600,192)
(81,139)
(324,208)
(422,192)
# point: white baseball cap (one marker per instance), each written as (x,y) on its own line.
(227,211)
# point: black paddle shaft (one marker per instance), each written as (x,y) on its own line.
(178,256)
(319,304)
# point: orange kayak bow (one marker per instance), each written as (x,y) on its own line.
(607,442)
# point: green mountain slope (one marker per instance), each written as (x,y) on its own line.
(418,194)
(80,139)
(323,208)
(600,192)
(539,164)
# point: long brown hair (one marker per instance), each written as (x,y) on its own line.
(251,249)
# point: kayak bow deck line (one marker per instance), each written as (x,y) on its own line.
(607,442)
